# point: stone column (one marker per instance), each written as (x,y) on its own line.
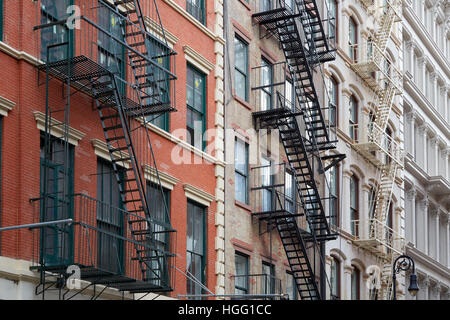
(437,236)
(410,61)
(410,117)
(347,283)
(364,212)
(434,163)
(421,74)
(433,233)
(426,284)
(422,149)
(448,240)
(425,225)
(446,165)
(433,91)
(411,198)
(328,261)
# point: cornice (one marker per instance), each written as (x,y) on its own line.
(198,195)
(151,174)
(101,150)
(6,106)
(57,128)
(197,60)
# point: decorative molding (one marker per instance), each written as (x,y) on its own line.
(6,106)
(197,60)
(198,195)
(156,28)
(58,128)
(167,181)
(20,55)
(101,150)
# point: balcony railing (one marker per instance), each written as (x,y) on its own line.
(376,236)
(101,244)
(257,287)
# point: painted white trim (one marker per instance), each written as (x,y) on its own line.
(167,181)
(20,55)
(101,150)
(198,195)
(58,128)
(197,60)
(6,106)
(156,29)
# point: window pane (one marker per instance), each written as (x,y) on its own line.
(240,188)
(240,84)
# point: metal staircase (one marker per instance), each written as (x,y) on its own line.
(372,139)
(125,100)
(302,38)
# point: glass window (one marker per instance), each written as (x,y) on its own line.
(266,5)
(291,286)
(196,251)
(352,39)
(334,195)
(353,121)
(52,11)
(109,219)
(335,279)
(268,280)
(290,95)
(241,68)
(354,204)
(158,200)
(241,171)
(372,202)
(334,92)
(332,8)
(241,280)
(290,192)
(197,9)
(266,83)
(267,194)
(196,106)
(355,284)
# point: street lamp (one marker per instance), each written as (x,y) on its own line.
(405,264)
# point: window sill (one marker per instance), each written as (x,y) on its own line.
(243,206)
(245,4)
(242,102)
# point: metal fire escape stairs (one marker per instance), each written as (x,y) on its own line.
(117,113)
(282,22)
(385,92)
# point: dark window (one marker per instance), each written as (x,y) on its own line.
(158,200)
(291,286)
(334,196)
(354,205)
(266,83)
(241,280)
(241,68)
(196,106)
(333,14)
(355,290)
(353,121)
(241,171)
(267,179)
(268,279)
(290,193)
(196,251)
(110,219)
(265,5)
(197,9)
(334,101)
(353,39)
(56,162)
(335,279)
(53,11)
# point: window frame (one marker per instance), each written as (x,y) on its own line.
(334,101)
(271,266)
(244,73)
(336,197)
(243,174)
(290,276)
(334,14)
(353,119)
(337,294)
(354,211)
(247,272)
(267,90)
(355,273)
(202,7)
(198,73)
(353,47)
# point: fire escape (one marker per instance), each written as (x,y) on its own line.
(372,139)
(111,56)
(296,208)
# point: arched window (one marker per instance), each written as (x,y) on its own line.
(372,202)
(334,101)
(334,196)
(353,120)
(352,39)
(335,279)
(354,205)
(356,284)
(333,11)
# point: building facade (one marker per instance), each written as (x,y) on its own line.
(60,159)
(426,116)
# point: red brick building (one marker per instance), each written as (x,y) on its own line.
(189,162)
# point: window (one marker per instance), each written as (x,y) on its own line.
(158,199)
(290,95)
(372,202)
(197,9)
(334,195)
(389,230)
(335,279)
(110,219)
(355,279)
(268,279)
(267,177)
(241,280)
(241,68)
(291,286)
(52,11)
(290,198)
(241,171)
(353,120)
(266,5)
(266,83)
(332,8)
(196,250)
(354,205)
(352,39)
(334,101)
(56,200)
(196,107)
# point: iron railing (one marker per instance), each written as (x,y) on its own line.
(256,286)
(100,243)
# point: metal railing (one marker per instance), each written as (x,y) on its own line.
(100,243)
(256,286)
